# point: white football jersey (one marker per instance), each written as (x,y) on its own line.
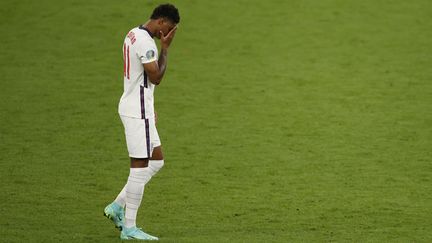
(137,99)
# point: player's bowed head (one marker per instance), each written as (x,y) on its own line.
(164,20)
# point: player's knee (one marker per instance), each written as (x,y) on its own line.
(155,166)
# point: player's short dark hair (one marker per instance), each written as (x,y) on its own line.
(168,11)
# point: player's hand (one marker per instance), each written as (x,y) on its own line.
(166,40)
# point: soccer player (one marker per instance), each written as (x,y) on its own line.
(144,68)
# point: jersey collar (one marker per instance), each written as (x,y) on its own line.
(141,27)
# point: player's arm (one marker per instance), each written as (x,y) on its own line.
(156,70)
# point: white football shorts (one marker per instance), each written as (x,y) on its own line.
(141,136)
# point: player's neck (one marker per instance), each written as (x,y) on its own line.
(149,25)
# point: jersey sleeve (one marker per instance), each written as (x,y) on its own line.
(146,51)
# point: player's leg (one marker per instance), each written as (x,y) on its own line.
(155,164)
(138,144)
(140,175)
(156,161)
(121,197)
(141,138)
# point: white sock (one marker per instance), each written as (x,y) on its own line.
(138,177)
(154,165)
(121,197)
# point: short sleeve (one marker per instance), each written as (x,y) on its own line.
(146,51)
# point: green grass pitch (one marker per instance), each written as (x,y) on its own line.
(281,121)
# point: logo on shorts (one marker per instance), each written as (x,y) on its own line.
(150,54)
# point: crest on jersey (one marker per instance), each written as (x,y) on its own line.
(150,54)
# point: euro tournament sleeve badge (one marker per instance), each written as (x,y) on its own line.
(150,54)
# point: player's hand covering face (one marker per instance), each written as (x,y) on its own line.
(166,39)
(166,32)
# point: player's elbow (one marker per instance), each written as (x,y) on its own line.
(155,79)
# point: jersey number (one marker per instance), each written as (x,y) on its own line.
(126,61)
